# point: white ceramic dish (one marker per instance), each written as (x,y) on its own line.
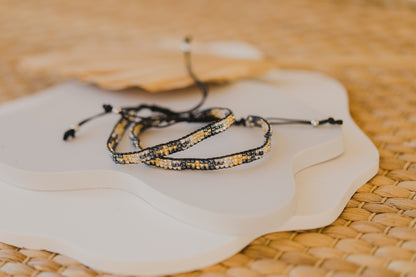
(254,198)
(142,240)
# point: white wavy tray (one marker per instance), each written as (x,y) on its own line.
(254,198)
(142,240)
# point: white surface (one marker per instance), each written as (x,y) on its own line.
(141,240)
(323,190)
(254,198)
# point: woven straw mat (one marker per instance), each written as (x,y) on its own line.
(369,46)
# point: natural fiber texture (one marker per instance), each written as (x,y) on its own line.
(369,47)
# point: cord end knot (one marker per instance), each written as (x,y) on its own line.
(69,134)
(332,121)
(107,108)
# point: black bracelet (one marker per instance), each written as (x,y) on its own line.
(220,162)
(220,119)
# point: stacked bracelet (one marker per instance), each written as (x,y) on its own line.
(221,119)
(220,162)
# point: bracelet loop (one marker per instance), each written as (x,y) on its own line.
(220,162)
(222,119)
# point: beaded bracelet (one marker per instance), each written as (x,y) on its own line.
(220,162)
(225,161)
(220,119)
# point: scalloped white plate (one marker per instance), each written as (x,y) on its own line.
(254,198)
(142,240)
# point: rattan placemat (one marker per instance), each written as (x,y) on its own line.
(368,46)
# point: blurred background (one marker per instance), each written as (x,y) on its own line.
(301,33)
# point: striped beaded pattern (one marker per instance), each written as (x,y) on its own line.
(225,118)
(221,162)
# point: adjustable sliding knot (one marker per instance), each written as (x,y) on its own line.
(111,109)
(107,108)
